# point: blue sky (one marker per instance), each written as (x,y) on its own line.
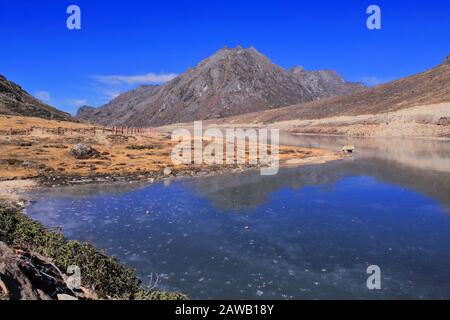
(124,43)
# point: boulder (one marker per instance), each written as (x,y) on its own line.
(348,148)
(443,121)
(167,171)
(83,151)
(15,283)
(29,276)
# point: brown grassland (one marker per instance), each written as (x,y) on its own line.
(31,148)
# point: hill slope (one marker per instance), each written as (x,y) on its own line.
(16,101)
(426,88)
(230,82)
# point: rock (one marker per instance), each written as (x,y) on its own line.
(20,286)
(12,162)
(447,60)
(4,292)
(26,164)
(24,144)
(167,171)
(28,276)
(348,148)
(65,297)
(83,151)
(443,121)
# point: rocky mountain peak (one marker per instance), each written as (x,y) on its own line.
(297,70)
(228,57)
(232,81)
(84,110)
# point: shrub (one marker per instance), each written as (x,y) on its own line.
(107,276)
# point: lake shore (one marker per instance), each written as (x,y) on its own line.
(429,121)
(34,260)
(37,152)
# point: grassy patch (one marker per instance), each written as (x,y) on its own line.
(107,275)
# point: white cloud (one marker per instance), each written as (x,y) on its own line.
(373,80)
(111,94)
(77,102)
(44,96)
(149,78)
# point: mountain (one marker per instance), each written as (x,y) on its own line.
(230,82)
(425,88)
(16,101)
(119,109)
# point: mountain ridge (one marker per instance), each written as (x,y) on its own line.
(431,86)
(230,82)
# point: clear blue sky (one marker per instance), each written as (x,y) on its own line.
(132,39)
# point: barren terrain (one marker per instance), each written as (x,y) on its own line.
(39,150)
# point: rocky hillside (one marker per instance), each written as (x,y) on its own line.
(425,88)
(119,108)
(16,101)
(231,82)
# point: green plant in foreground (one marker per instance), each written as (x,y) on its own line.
(106,275)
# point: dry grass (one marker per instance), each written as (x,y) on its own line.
(32,151)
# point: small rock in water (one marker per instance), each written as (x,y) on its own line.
(167,171)
(348,148)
